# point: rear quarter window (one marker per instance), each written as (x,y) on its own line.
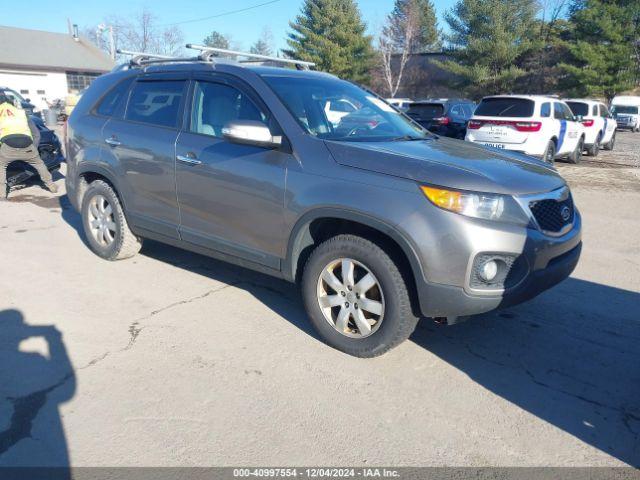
(506,107)
(109,103)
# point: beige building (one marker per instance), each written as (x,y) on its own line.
(44,66)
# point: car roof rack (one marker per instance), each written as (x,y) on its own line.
(208,54)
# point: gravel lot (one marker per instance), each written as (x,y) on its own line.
(173,359)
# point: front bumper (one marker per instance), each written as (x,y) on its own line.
(444,289)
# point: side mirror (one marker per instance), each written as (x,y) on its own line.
(250,132)
(578,118)
(28,100)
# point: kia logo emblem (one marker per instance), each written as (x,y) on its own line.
(565,213)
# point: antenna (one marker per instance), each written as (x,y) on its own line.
(208,52)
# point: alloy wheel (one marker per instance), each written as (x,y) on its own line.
(101,221)
(350,298)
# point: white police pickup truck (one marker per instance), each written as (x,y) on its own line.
(532,124)
(599,124)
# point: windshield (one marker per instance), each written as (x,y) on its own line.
(624,109)
(579,108)
(333,109)
(505,107)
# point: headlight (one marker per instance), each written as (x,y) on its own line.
(487,206)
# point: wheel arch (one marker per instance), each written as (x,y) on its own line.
(90,173)
(321,224)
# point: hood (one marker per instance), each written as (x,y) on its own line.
(450,163)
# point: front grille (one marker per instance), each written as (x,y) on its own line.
(549,213)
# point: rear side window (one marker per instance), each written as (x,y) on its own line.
(110,102)
(156,102)
(426,110)
(545,110)
(604,111)
(579,108)
(505,107)
(594,110)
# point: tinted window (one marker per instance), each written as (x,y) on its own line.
(568,114)
(156,103)
(505,107)
(426,111)
(594,111)
(111,100)
(215,105)
(604,111)
(545,110)
(579,108)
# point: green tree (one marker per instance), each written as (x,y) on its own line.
(427,38)
(487,39)
(603,56)
(264,44)
(217,40)
(331,34)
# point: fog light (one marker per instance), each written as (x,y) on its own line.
(488,271)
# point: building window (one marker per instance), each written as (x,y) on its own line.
(41,92)
(78,81)
(24,92)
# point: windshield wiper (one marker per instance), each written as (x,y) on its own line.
(408,138)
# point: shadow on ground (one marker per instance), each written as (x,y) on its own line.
(36,376)
(571,356)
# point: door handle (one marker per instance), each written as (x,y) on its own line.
(112,141)
(189,159)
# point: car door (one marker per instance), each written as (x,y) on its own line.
(609,126)
(142,145)
(231,196)
(566,128)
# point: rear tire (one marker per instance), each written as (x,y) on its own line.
(105,225)
(611,143)
(549,155)
(339,323)
(576,156)
(594,149)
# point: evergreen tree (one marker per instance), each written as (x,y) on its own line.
(217,40)
(428,35)
(603,56)
(264,45)
(331,34)
(487,38)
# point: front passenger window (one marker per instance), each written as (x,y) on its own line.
(216,104)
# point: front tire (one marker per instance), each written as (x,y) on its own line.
(356,297)
(105,224)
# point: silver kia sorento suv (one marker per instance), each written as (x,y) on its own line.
(378,220)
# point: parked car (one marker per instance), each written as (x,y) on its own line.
(24,103)
(401,104)
(337,109)
(599,124)
(626,110)
(536,125)
(446,117)
(379,225)
(50,151)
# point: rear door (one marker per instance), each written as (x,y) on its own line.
(142,145)
(569,129)
(231,196)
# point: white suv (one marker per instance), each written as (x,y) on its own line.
(599,124)
(535,125)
